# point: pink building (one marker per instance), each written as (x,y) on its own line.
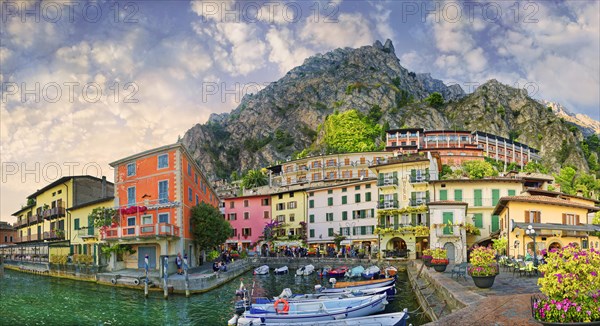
(247,216)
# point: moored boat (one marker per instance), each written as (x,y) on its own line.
(305,270)
(286,312)
(390,271)
(338,272)
(359,285)
(324,271)
(262,270)
(291,297)
(281,270)
(391,319)
(371,273)
(355,272)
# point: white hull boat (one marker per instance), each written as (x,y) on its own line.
(391,319)
(262,270)
(281,270)
(305,270)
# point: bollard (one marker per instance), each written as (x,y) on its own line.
(187,280)
(166,276)
(146,281)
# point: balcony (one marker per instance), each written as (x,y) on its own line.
(53,212)
(451,231)
(19,224)
(34,219)
(418,202)
(86,232)
(388,204)
(54,235)
(159,230)
(419,178)
(388,182)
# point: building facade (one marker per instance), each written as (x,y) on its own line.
(85,237)
(289,209)
(154,193)
(447,219)
(248,216)
(8,234)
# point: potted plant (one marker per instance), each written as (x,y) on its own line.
(235,254)
(439,259)
(483,267)
(570,287)
(427,257)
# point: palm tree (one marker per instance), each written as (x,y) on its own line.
(254,178)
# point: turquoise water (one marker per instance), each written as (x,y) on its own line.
(27,299)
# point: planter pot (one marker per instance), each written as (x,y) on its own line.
(484,282)
(427,261)
(439,267)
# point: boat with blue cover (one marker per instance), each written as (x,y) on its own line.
(371,273)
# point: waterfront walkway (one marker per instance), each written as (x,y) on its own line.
(507,302)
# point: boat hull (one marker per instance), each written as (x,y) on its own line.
(392,319)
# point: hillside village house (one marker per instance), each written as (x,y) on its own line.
(558,219)
(154,193)
(288,207)
(248,216)
(7,233)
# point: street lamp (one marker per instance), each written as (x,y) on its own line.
(530,231)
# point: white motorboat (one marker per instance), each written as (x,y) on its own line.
(305,270)
(391,319)
(281,270)
(262,270)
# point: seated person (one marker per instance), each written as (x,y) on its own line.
(529,255)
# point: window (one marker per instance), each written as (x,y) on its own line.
(311,218)
(292,205)
(245,202)
(281,218)
(291,195)
(59,192)
(189,169)
(235,232)
(75,225)
(163,161)
(478,200)
(495,196)
(344,200)
(357,198)
(280,196)
(163,191)
(357,187)
(131,196)
(344,216)
(292,217)
(311,203)
(344,189)
(246,215)
(443,194)
(280,206)
(511,192)
(458,194)
(131,222)
(231,204)
(329,217)
(266,214)
(448,219)
(330,191)
(197,200)
(330,201)
(232,216)
(195,178)
(368,186)
(330,232)
(496,223)
(190,194)
(130,169)
(570,219)
(146,219)
(368,196)
(478,220)
(265,202)
(312,233)
(345,231)
(246,232)
(163,218)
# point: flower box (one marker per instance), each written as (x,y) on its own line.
(483,267)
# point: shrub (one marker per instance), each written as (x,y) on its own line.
(483,262)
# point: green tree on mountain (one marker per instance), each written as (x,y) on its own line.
(350,131)
(254,178)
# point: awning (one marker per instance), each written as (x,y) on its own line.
(287,243)
(562,227)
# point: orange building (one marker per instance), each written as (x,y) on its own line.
(154,193)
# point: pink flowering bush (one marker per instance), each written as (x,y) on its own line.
(483,262)
(440,257)
(571,284)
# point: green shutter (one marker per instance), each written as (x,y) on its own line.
(330,232)
(357,198)
(511,192)
(495,223)
(495,196)
(395,222)
(477,195)
(90,226)
(413,197)
(344,200)
(363,213)
(427,196)
(71,249)
(458,194)
(368,196)
(330,201)
(372,212)
(443,194)
(311,218)
(311,203)
(76,224)
(380,179)
(85,250)
(353,231)
(363,230)
(396,199)
(95,247)
(413,219)
(413,175)
(344,216)
(312,233)
(448,219)
(382,221)
(478,220)
(427,174)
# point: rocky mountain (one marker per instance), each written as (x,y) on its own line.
(587,125)
(283,118)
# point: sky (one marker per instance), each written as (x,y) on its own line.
(85,83)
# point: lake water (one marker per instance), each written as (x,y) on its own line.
(27,299)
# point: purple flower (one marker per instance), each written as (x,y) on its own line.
(578,309)
(589,313)
(594,273)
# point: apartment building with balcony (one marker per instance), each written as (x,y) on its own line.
(344,208)
(558,219)
(457,146)
(154,193)
(248,216)
(403,193)
(288,207)
(7,233)
(331,167)
(85,237)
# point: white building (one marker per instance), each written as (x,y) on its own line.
(446,230)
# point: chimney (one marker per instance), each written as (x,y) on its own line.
(580,193)
(103,187)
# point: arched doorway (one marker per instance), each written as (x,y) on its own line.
(554,245)
(396,247)
(449,246)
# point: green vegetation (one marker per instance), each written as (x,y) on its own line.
(350,131)
(435,100)
(357,86)
(472,170)
(591,151)
(571,182)
(535,167)
(446,170)
(103,216)
(374,113)
(564,152)
(501,111)
(283,140)
(514,134)
(254,178)
(209,229)
(254,145)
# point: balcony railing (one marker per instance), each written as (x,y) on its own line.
(419,178)
(86,232)
(54,235)
(53,212)
(418,202)
(390,181)
(140,231)
(388,204)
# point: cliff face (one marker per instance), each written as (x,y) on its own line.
(283,118)
(587,125)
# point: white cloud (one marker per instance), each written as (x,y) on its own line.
(285,51)
(350,30)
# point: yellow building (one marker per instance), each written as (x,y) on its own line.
(289,207)
(558,219)
(403,193)
(84,236)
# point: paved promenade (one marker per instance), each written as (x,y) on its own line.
(507,302)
